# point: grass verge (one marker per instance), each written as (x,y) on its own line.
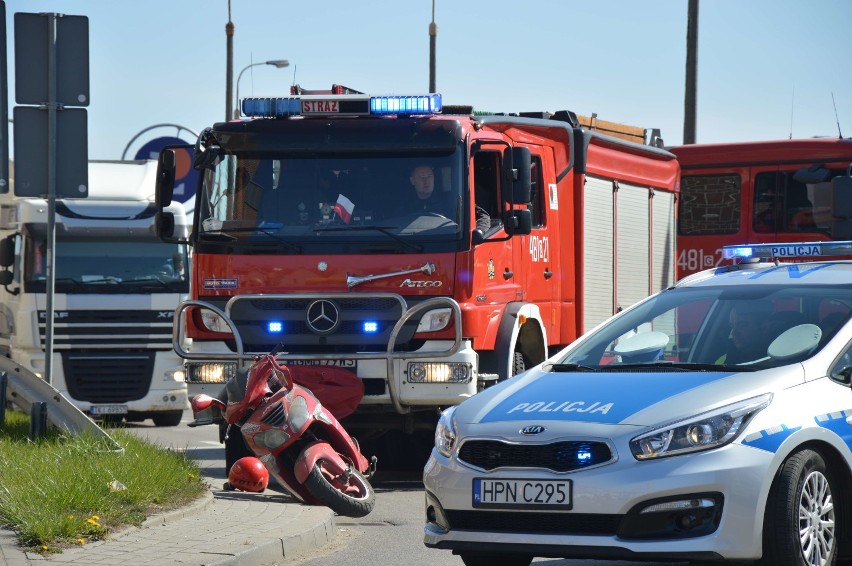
(63,490)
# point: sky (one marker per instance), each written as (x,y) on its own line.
(767,69)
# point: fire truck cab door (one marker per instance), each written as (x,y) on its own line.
(536,255)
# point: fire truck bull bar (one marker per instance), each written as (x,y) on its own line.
(240,356)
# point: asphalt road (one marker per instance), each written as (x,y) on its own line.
(391,534)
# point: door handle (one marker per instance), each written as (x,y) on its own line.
(548,274)
(508,274)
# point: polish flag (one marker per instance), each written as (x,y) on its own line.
(344,208)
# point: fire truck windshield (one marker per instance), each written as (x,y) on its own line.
(390,198)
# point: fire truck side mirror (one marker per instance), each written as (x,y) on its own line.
(166,226)
(841,187)
(516,163)
(166,166)
(518,222)
(7,251)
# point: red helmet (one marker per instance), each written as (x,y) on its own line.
(248,474)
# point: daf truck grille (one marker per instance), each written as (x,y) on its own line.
(123,329)
(106,376)
(320,324)
(563,456)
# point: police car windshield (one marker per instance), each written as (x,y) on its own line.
(739,328)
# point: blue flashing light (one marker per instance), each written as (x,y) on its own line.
(344,104)
(371,327)
(738,252)
(417,104)
(792,249)
(271,107)
(275,327)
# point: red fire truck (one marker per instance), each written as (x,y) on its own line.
(309,229)
(758,192)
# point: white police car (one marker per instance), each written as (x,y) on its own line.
(658,435)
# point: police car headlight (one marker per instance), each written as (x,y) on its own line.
(703,432)
(445,433)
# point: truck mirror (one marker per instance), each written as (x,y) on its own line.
(166,225)
(841,187)
(518,222)
(516,172)
(166,166)
(6,278)
(7,251)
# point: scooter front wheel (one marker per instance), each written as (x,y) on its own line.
(349,494)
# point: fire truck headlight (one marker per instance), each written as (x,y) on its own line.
(434,320)
(176,374)
(209,372)
(214,322)
(439,372)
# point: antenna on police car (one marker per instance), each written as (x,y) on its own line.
(839,133)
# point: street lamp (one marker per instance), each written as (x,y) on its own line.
(279,63)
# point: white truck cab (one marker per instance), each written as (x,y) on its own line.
(116,287)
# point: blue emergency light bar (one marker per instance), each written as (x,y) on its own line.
(341,105)
(793,249)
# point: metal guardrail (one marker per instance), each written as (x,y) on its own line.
(24,389)
(390,355)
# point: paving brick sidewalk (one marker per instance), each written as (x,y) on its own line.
(221,529)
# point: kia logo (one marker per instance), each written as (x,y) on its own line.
(322,316)
(532,429)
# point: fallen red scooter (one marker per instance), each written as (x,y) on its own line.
(297,439)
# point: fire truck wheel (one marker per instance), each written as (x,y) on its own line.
(519,363)
(167,418)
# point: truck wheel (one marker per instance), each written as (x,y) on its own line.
(519,363)
(167,418)
(472,559)
(801,520)
(350,497)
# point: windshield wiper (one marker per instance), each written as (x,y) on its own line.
(383,229)
(74,282)
(228,236)
(571,367)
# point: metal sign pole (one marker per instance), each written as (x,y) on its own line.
(51,196)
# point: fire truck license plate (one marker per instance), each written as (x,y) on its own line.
(108,409)
(521,493)
(350,364)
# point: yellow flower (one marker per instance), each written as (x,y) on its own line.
(81,541)
(71,517)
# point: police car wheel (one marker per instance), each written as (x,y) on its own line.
(800,526)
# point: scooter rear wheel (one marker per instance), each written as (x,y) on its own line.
(350,497)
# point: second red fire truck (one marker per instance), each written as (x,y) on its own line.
(758,192)
(309,229)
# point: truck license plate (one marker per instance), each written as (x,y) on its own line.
(108,410)
(351,364)
(522,493)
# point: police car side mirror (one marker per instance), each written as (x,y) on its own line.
(843,377)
